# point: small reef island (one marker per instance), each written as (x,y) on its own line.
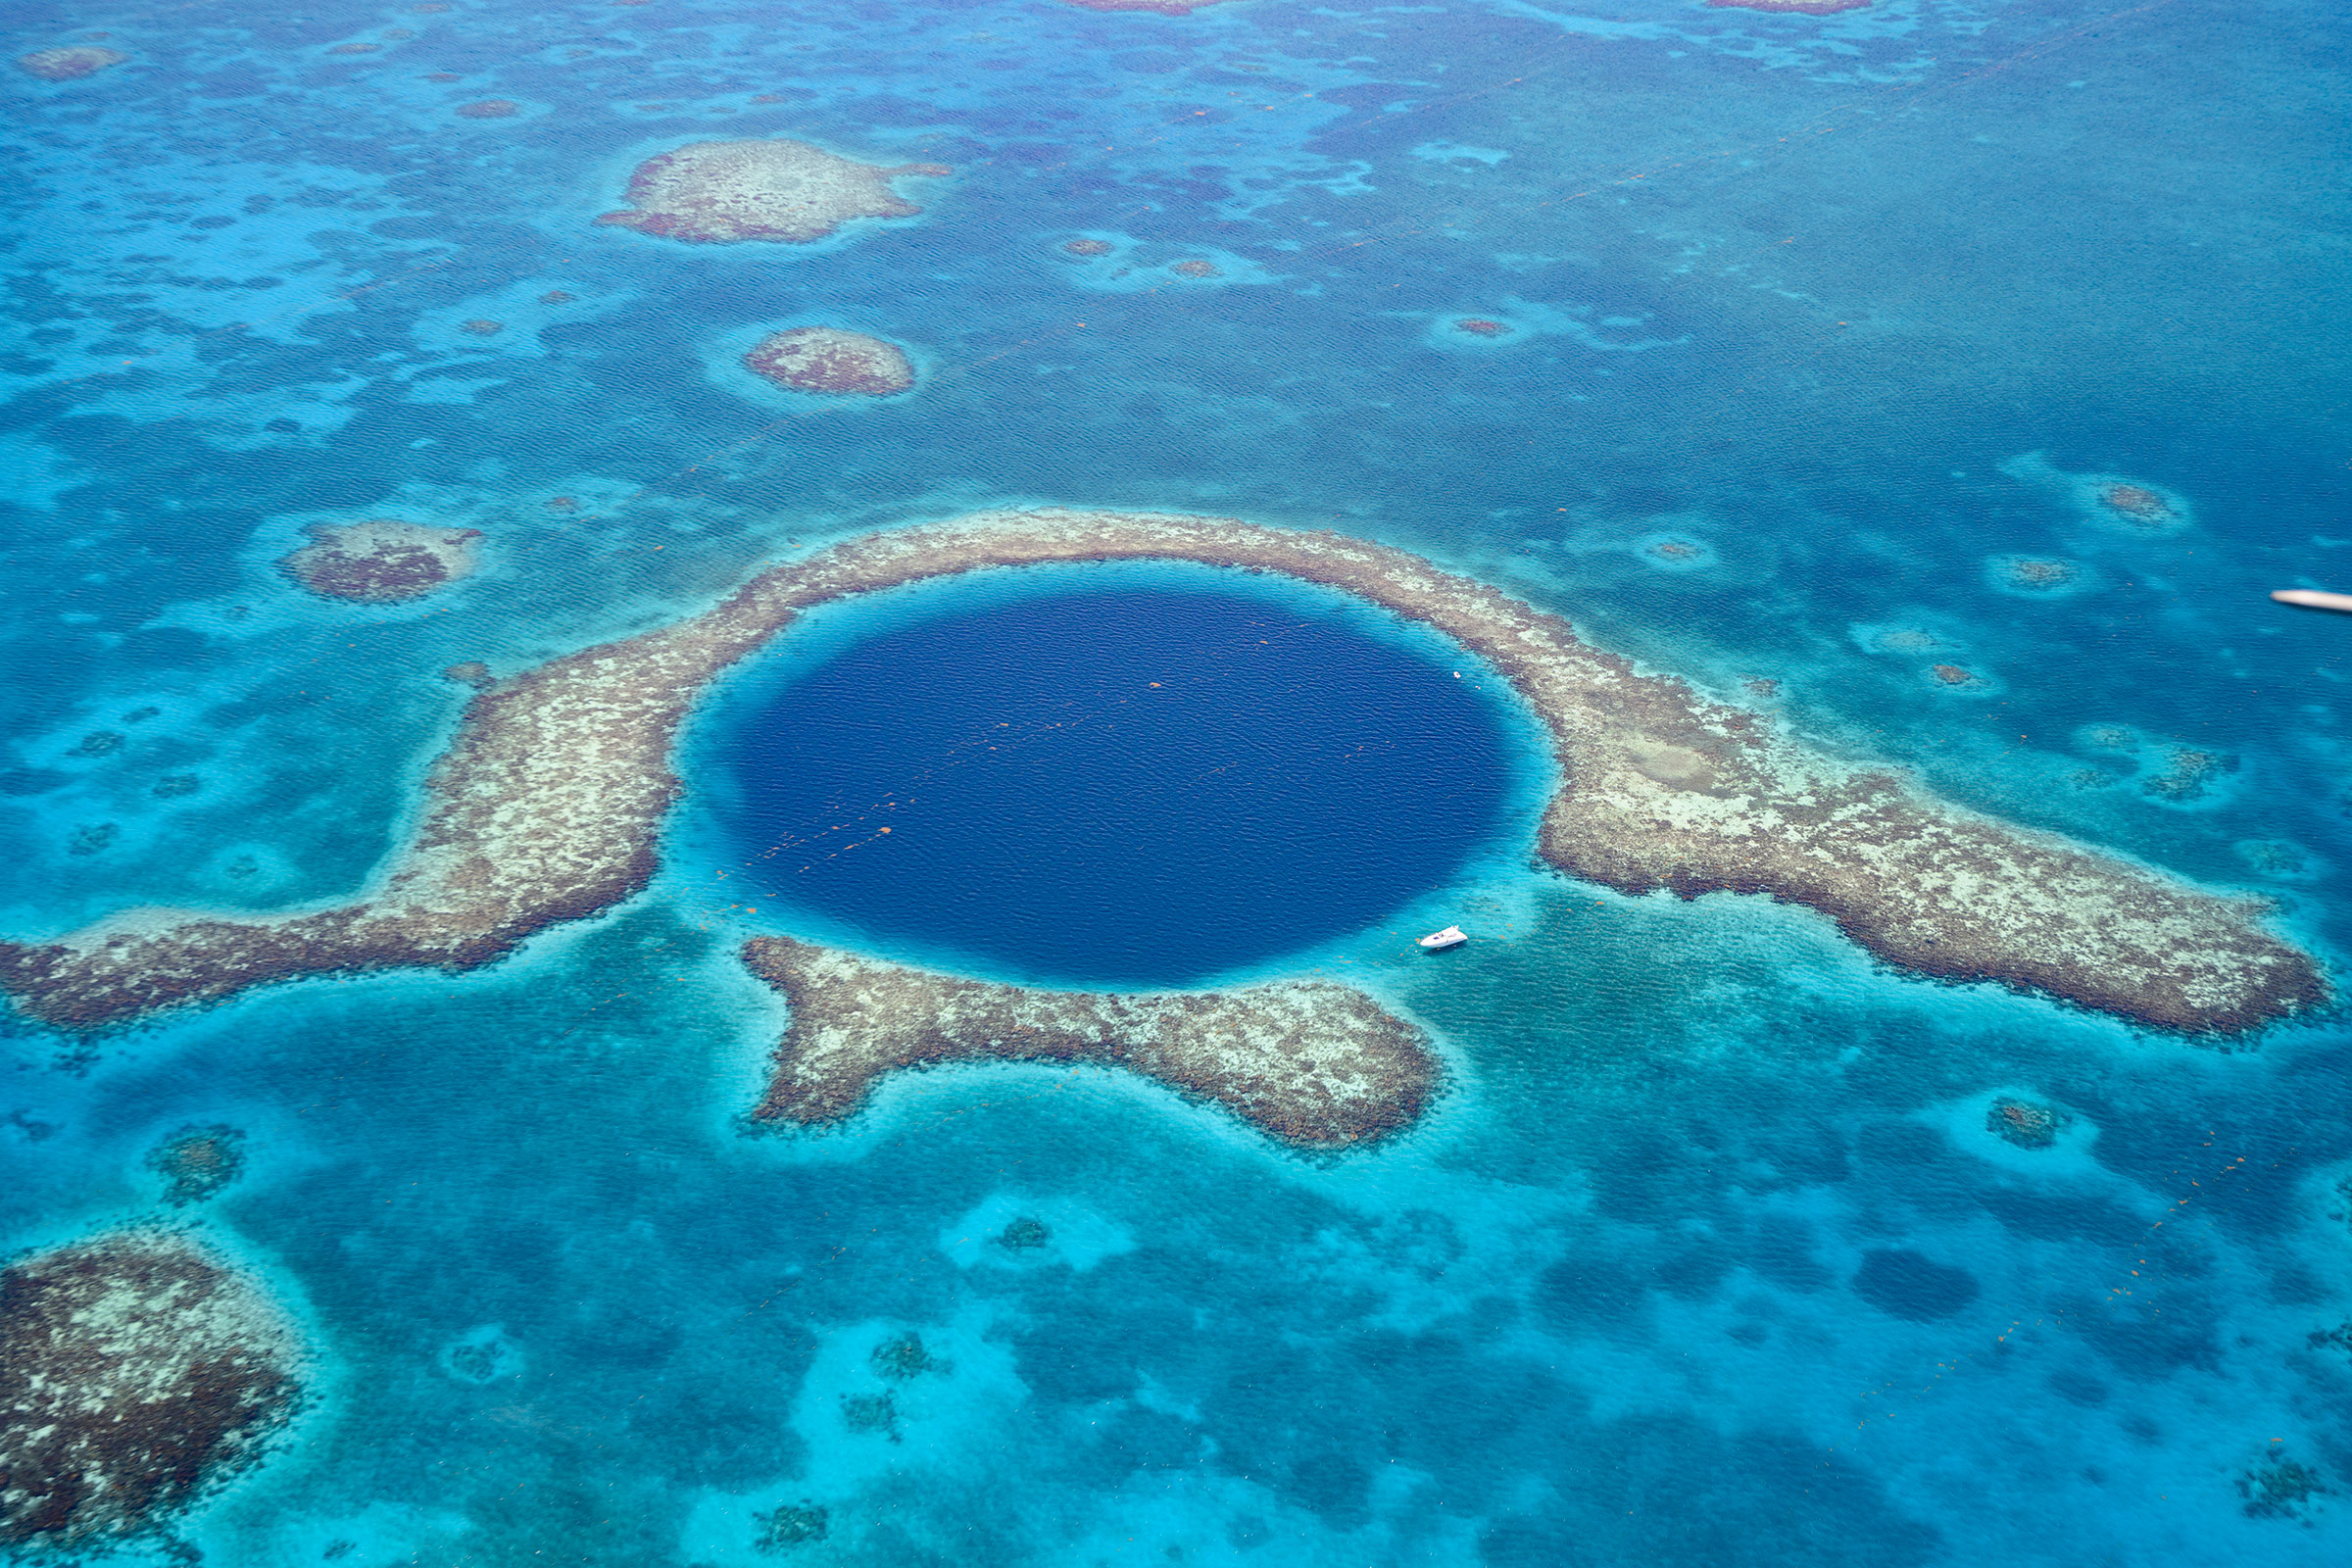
(68,64)
(719,192)
(547,806)
(1319,1065)
(831,360)
(381,560)
(137,1372)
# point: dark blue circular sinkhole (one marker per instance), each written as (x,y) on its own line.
(1115,788)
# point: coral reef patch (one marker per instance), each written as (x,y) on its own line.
(1023,1233)
(1317,1064)
(196,1162)
(2281,1488)
(719,192)
(792,1524)
(137,1372)
(831,360)
(2037,577)
(2024,1123)
(2136,502)
(1806,7)
(382,561)
(68,64)
(547,807)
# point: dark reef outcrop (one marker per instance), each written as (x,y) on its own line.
(137,1372)
(831,360)
(384,560)
(1317,1064)
(2024,1122)
(196,1162)
(548,804)
(69,64)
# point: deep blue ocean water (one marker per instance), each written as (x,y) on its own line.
(1705,1257)
(1115,788)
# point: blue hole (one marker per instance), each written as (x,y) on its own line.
(1123,788)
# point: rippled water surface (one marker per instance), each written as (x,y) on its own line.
(1784,354)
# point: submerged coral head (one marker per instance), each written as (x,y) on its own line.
(2024,1123)
(2041,573)
(382,561)
(1480,326)
(69,65)
(198,1162)
(831,359)
(2136,502)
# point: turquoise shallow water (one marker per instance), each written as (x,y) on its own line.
(1815,328)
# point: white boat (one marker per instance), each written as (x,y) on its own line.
(2313,599)
(1451,937)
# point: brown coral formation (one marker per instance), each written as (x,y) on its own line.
(196,1162)
(717,192)
(1319,1065)
(136,1372)
(1195,267)
(490,109)
(1166,8)
(548,805)
(382,561)
(831,359)
(2136,502)
(2040,576)
(2024,1123)
(481,327)
(1480,326)
(1087,247)
(69,64)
